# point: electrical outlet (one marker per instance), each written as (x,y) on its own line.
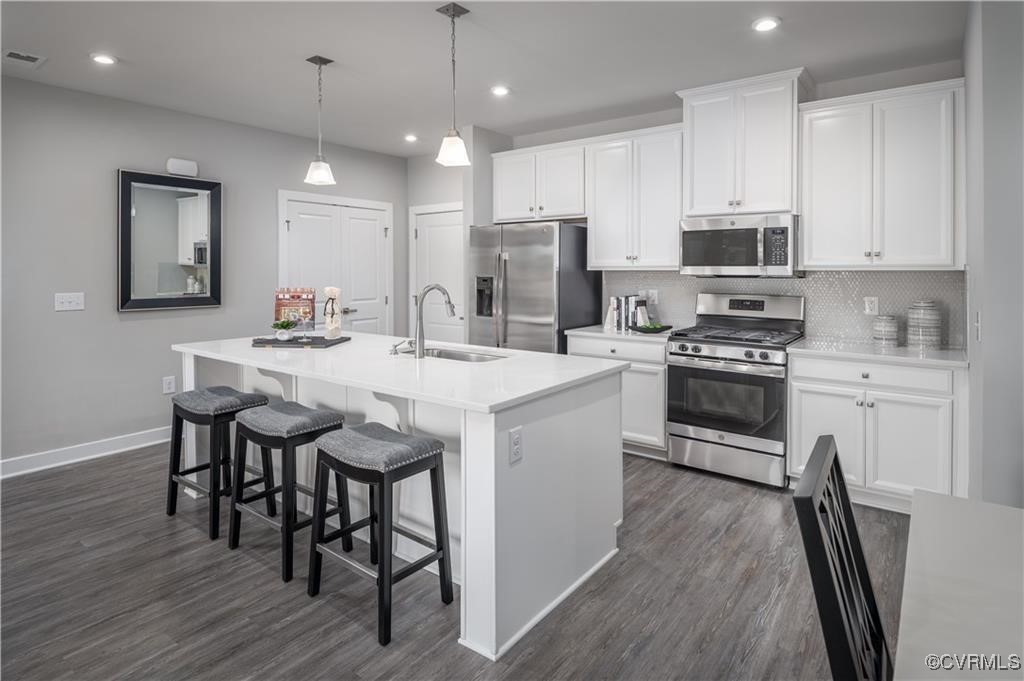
(652,296)
(515,449)
(66,302)
(871,305)
(168,385)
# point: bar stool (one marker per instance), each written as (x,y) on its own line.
(215,407)
(284,426)
(376,455)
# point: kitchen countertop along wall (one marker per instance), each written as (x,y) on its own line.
(834,300)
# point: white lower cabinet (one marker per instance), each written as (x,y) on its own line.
(890,441)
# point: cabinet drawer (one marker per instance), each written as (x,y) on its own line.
(616,348)
(873,375)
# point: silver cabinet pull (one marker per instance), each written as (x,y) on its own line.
(738,202)
(541,207)
(732,203)
(867,254)
(612,351)
(865,375)
(871,404)
(878,254)
(531,209)
(860,403)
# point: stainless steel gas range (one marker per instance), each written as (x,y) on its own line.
(727,385)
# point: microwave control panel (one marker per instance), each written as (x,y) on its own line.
(776,246)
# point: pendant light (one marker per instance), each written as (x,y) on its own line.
(319,170)
(453,149)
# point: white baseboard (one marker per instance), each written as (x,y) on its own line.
(29,463)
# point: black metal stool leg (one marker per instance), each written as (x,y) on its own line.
(288,520)
(319,523)
(341,485)
(214,493)
(444,563)
(373,527)
(268,480)
(384,567)
(175,463)
(241,451)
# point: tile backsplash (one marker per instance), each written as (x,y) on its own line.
(834,300)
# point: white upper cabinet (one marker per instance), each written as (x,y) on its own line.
(609,204)
(740,154)
(193,225)
(515,186)
(835,223)
(560,184)
(882,180)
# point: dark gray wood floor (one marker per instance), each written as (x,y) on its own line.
(710,583)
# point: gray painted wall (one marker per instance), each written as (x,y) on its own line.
(431,182)
(993,61)
(74,377)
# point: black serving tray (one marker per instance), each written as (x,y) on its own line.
(641,329)
(300,342)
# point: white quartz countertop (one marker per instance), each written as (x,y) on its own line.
(866,350)
(599,332)
(364,362)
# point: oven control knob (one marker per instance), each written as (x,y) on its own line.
(695,348)
(682,347)
(749,354)
(764,355)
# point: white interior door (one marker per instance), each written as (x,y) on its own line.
(439,258)
(331,245)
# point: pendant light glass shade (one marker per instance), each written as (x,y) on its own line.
(320,172)
(453,150)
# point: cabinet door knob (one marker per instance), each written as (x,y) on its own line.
(738,202)
(612,351)
(531,209)
(732,203)
(871,404)
(541,207)
(867,254)
(860,403)
(878,254)
(865,375)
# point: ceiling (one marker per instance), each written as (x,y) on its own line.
(567,63)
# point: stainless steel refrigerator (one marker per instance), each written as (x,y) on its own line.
(529,283)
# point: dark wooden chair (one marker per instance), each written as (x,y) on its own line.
(850,620)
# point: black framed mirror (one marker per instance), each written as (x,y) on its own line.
(168,243)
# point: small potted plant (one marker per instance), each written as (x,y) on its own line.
(284,329)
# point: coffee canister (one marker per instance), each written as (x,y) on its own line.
(924,325)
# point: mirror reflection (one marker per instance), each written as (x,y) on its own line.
(170,241)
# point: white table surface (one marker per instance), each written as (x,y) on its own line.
(364,362)
(963,590)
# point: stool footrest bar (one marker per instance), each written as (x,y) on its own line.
(415,536)
(423,562)
(191,484)
(358,567)
(194,469)
(348,529)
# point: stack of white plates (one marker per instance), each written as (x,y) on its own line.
(924,325)
(885,331)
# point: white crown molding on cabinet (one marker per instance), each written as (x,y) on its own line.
(877,95)
(30,463)
(800,74)
(670,127)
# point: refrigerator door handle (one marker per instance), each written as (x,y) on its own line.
(496,302)
(503,264)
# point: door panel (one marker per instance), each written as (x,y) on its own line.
(824,410)
(836,219)
(609,205)
(659,185)
(528,286)
(710,154)
(643,405)
(764,148)
(439,260)
(560,183)
(910,443)
(514,187)
(913,163)
(364,273)
(313,244)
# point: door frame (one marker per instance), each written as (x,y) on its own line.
(430,209)
(286,195)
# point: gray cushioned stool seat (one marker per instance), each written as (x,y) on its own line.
(374,446)
(218,399)
(287,419)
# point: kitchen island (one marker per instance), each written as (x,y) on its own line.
(528,525)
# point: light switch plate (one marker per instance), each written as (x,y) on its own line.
(652,296)
(167,385)
(871,305)
(515,445)
(66,302)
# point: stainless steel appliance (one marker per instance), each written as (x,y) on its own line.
(727,385)
(739,246)
(529,283)
(200,253)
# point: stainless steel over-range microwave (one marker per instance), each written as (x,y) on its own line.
(739,246)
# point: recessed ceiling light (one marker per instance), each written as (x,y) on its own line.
(499,90)
(411,137)
(103,58)
(766,24)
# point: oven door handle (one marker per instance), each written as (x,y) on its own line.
(724,365)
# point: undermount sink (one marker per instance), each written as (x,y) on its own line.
(460,355)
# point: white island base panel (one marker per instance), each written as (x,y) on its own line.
(524,534)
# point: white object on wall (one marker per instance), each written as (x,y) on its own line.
(180,166)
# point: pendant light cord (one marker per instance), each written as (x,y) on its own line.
(453,70)
(319,106)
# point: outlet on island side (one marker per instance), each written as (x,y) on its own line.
(871,305)
(515,445)
(168,385)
